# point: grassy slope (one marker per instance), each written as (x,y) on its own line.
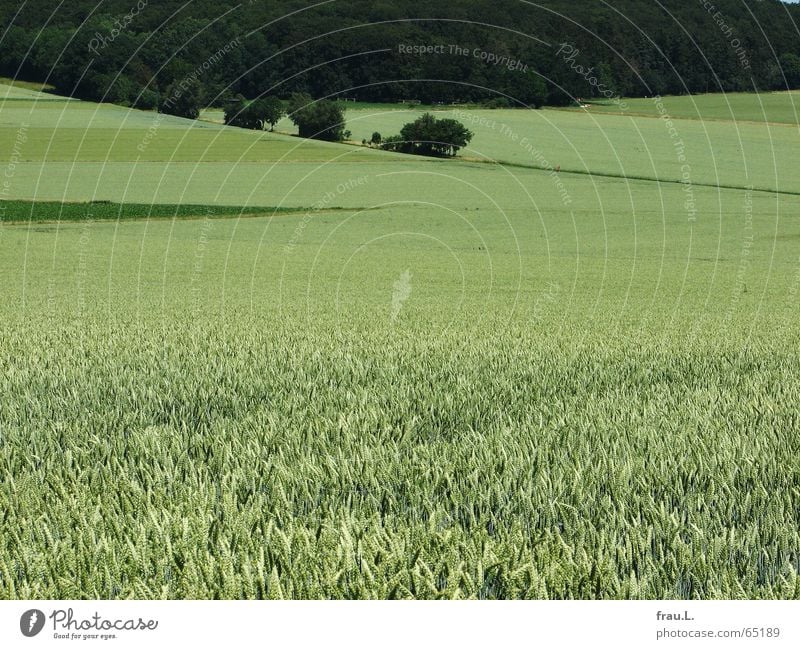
(716,153)
(777,107)
(122,159)
(36,86)
(14,89)
(496,383)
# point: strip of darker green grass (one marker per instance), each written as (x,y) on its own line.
(49,211)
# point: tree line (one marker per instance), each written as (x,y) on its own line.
(141,53)
(324,120)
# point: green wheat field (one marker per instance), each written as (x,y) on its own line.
(244,365)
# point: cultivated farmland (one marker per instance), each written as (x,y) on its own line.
(761,108)
(347,373)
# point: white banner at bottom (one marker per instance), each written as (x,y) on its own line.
(371,624)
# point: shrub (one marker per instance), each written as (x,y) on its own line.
(430,136)
(319,120)
(255,114)
(497,102)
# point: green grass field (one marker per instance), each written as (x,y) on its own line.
(397,377)
(14,89)
(777,107)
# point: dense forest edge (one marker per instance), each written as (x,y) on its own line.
(504,53)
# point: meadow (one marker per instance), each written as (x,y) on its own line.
(761,108)
(312,370)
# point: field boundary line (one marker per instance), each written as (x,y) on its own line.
(603,174)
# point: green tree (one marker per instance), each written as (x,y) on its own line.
(183,98)
(272,111)
(430,136)
(146,100)
(320,120)
(235,112)
(450,136)
(255,114)
(13,54)
(297,102)
(157,46)
(790,64)
(420,135)
(395,143)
